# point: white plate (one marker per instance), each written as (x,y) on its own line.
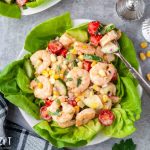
(31,121)
(44,6)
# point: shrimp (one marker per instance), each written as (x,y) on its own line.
(78,80)
(98,52)
(45,90)
(110,36)
(110,89)
(102,73)
(67,124)
(107,57)
(83,48)
(65,115)
(41,60)
(66,40)
(85,116)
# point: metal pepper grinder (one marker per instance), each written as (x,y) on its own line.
(130,9)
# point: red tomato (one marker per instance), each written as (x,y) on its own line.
(87,65)
(93,27)
(48,102)
(106,117)
(55,47)
(21,2)
(63,52)
(44,113)
(72,102)
(94,39)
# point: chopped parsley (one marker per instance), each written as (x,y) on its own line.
(56,113)
(58,68)
(69,79)
(79,81)
(58,101)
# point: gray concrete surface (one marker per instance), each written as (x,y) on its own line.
(13,33)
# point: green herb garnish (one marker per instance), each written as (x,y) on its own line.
(69,79)
(56,113)
(58,101)
(58,68)
(79,81)
(125,145)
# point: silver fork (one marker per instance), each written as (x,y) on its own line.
(134,72)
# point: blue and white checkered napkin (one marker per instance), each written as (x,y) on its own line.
(14,137)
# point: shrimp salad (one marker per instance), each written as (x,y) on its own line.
(76,80)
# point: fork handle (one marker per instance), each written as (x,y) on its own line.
(135,73)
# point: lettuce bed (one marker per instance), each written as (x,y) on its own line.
(14,84)
(13,10)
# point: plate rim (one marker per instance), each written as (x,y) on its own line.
(38,9)
(94,141)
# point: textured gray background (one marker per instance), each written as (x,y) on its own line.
(13,33)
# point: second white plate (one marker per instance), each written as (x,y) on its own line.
(40,8)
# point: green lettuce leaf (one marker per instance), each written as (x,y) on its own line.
(14,85)
(23,81)
(68,137)
(23,102)
(128,113)
(10,10)
(36,3)
(39,36)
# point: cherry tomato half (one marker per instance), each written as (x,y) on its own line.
(44,113)
(48,103)
(93,27)
(21,2)
(94,39)
(63,52)
(55,47)
(106,117)
(87,65)
(72,102)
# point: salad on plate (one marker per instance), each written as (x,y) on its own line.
(68,82)
(15,8)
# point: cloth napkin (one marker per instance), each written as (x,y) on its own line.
(14,137)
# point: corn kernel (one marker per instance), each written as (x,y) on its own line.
(56,76)
(96,88)
(74,51)
(45,73)
(142,56)
(55,93)
(105,98)
(51,72)
(148,53)
(40,85)
(148,76)
(91,93)
(102,73)
(77,99)
(84,46)
(77,109)
(80,57)
(94,105)
(93,63)
(144,44)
